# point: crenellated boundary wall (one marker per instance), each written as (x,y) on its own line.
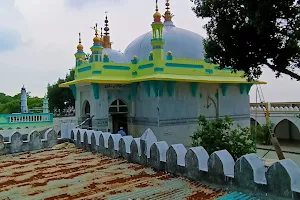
(282,179)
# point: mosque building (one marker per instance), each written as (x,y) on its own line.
(162,82)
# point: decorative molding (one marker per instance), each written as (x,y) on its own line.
(184,65)
(96,90)
(224,87)
(158,87)
(84,69)
(171,87)
(146,66)
(147,86)
(194,88)
(115,67)
(73,88)
(134,89)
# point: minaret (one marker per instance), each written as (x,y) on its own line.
(79,55)
(45,105)
(97,48)
(106,37)
(157,41)
(168,15)
(24,108)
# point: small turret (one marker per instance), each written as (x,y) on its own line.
(24,108)
(79,55)
(97,48)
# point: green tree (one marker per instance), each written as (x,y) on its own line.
(249,34)
(219,134)
(12,104)
(61,98)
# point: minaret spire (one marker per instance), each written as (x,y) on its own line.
(157,41)
(79,46)
(106,37)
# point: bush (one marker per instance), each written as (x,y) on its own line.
(218,134)
(261,133)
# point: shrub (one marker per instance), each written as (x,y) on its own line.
(261,133)
(219,134)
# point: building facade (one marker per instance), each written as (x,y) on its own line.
(162,82)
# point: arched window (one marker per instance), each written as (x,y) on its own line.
(118,106)
(86,109)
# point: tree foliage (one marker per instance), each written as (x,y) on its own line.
(12,104)
(61,98)
(249,34)
(219,134)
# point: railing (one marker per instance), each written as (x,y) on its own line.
(25,118)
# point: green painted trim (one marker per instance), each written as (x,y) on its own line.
(96,90)
(171,88)
(150,65)
(158,69)
(134,73)
(133,87)
(97,72)
(147,87)
(106,60)
(217,94)
(248,88)
(242,88)
(209,71)
(134,61)
(73,88)
(184,65)
(169,57)
(224,87)
(194,88)
(158,88)
(84,69)
(111,67)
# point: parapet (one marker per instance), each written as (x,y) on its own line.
(248,173)
(17,143)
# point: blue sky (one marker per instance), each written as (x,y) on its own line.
(39,39)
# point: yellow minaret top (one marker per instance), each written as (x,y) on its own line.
(168,15)
(96,39)
(79,46)
(157,15)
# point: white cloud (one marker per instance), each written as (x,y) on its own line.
(49,32)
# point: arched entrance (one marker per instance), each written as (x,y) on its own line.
(86,113)
(287,132)
(118,111)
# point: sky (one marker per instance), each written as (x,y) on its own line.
(38,39)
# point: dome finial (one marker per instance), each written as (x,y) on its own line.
(79,46)
(96,38)
(168,15)
(157,15)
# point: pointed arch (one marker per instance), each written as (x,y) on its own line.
(287,130)
(254,122)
